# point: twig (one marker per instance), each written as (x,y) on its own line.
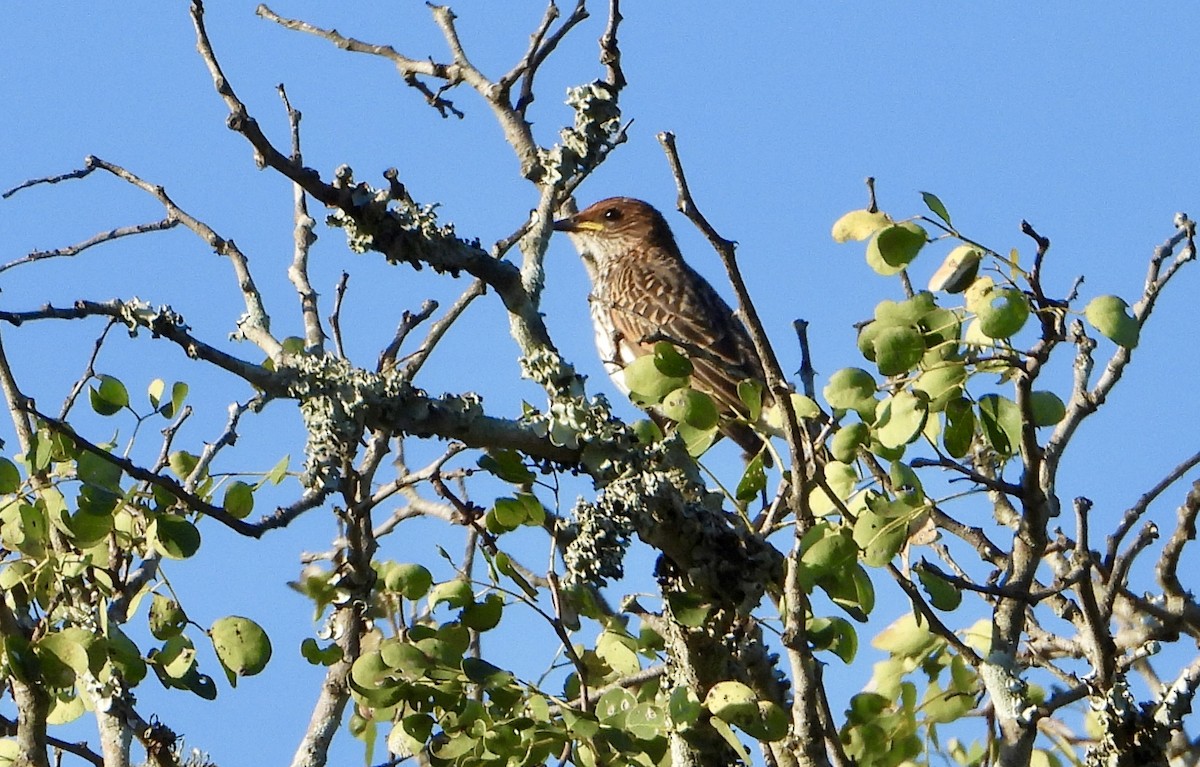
(409,68)
(806,371)
(408,322)
(335,318)
(1185,531)
(253,326)
(68,176)
(935,623)
(303,237)
(160,322)
(1136,511)
(610,52)
(1098,642)
(283,515)
(8,727)
(540,48)
(997,485)
(437,330)
(97,239)
(776,382)
(88,372)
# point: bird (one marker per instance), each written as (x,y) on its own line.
(643,292)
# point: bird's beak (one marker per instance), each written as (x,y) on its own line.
(573,224)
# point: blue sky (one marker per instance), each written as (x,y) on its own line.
(1081,119)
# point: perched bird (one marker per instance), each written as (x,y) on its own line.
(643,291)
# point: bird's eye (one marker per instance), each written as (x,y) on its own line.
(612,214)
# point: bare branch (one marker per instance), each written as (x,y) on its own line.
(70,175)
(409,68)
(255,324)
(303,238)
(335,318)
(408,322)
(1135,512)
(97,239)
(160,322)
(776,381)
(1185,531)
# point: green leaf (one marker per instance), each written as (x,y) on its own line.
(942,594)
(908,312)
(10,476)
(960,427)
(901,419)
(942,383)
(731,701)
(847,440)
(670,362)
(685,708)
(729,736)
(750,393)
(1001,420)
(488,675)
(110,397)
(179,392)
(406,659)
(850,389)
(753,481)
(155,391)
(508,465)
(695,408)
(239,499)
(898,349)
(689,609)
(320,656)
(174,537)
(828,554)
(618,651)
(278,472)
(182,463)
(905,638)
(242,646)
(841,479)
(879,538)
(855,594)
(409,580)
(934,204)
(1003,313)
(940,707)
(507,514)
(166,617)
(1108,315)
(63,655)
(125,656)
(485,615)
(836,635)
(646,721)
(894,247)
(97,472)
(646,383)
(413,731)
(859,225)
(1047,408)
(697,440)
(455,592)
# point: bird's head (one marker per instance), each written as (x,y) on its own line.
(615,227)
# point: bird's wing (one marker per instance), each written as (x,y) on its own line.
(651,297)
